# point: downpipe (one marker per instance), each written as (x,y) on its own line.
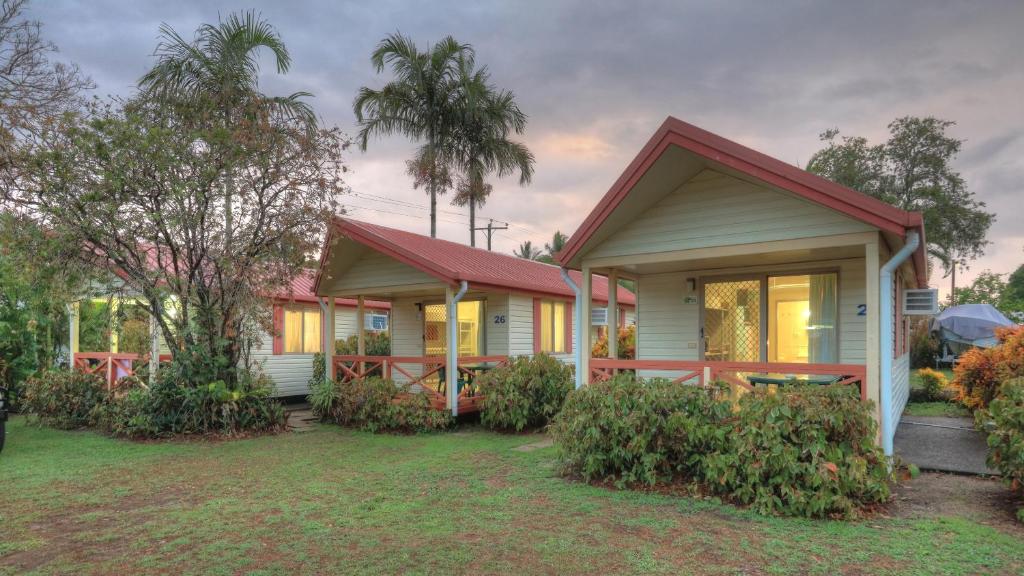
(452,374)
(578,337)
(886,320)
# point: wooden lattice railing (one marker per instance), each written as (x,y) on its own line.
(111,366)
(703,372)
(426,372)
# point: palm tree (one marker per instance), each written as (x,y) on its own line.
(486,117)
(527,250)
(418,103)
(220,67)
(554,247)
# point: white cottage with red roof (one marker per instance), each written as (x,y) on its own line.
(751,270)
(493,305)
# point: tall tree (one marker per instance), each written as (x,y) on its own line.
(552,248)
(527,251)
(987,288)
(1012,300)
(486,117)
(419,103)
(913,170)
(220,68)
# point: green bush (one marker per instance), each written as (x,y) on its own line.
(638,432)
(525,393)
(924,348)
(804,451)
(1003,421)
(934,387)
(377,344)
(172,408)
(377,405)
(64,398)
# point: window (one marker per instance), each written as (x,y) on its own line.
(302,330)
(552,326)
(375,321)
(470,329)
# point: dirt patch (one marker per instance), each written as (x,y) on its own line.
(932,495)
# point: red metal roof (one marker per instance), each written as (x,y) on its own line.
(302,291)
(452,262)
(675,132)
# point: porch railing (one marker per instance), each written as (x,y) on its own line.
(352,366)
(112,366)
(704,372)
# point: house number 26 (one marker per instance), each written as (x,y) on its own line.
(499,319)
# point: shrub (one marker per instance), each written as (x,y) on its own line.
(924,349)
(634,432)
(626,344)
(1004,424)
(805,451)
(65,398)
(171,408)
(377,344)
(980,371)
(525,393)
(934,387)
(378,405)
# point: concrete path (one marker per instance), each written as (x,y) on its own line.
(301,418)
(942,444)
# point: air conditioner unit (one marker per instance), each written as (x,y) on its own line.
(921,302)
(598,316)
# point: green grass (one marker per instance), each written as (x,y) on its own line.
(948,409)
(337,501)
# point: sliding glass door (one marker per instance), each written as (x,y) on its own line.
(778,318)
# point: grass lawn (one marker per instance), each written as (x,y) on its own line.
(948,409)
(337,501)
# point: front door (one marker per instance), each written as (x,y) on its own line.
(732,320)
(471,329)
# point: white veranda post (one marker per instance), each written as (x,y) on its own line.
(329,339)
(583,333)
(452,361)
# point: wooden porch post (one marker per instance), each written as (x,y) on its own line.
(872,323)
(361,330)
(583,337)
(73,321)
(451,373)
(329,339)
(613,314)
(154,349)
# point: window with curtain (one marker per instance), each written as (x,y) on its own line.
(552,327)
(302,330)
(802,318)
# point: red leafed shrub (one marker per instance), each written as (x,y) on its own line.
(626,344)
(979,372)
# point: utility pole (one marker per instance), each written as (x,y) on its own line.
(490,228)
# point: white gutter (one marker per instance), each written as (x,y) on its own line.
(886,320)
(578,337)
(452,373)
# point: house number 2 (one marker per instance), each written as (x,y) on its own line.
(499,319)
(862,309)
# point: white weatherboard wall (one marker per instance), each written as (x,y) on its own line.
(900,386)
(375,270)
(406,334)
(520,328)
(669,329)
(713,209)
(291,372)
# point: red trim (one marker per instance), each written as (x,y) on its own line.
(536,325)
(568,328)
(278,330)
(674,132)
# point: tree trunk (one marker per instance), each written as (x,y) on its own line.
(433,208)
(472,222)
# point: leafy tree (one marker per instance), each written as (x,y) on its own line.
(987,288)
(419,103)
(1012,301)
(527,251)
(486,117)
(140,187)
(913,171)
(554,247)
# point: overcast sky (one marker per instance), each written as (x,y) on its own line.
(597,78)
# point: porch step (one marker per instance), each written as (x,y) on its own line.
(301,420)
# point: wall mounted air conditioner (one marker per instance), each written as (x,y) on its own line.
(921,302)
(598,316)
